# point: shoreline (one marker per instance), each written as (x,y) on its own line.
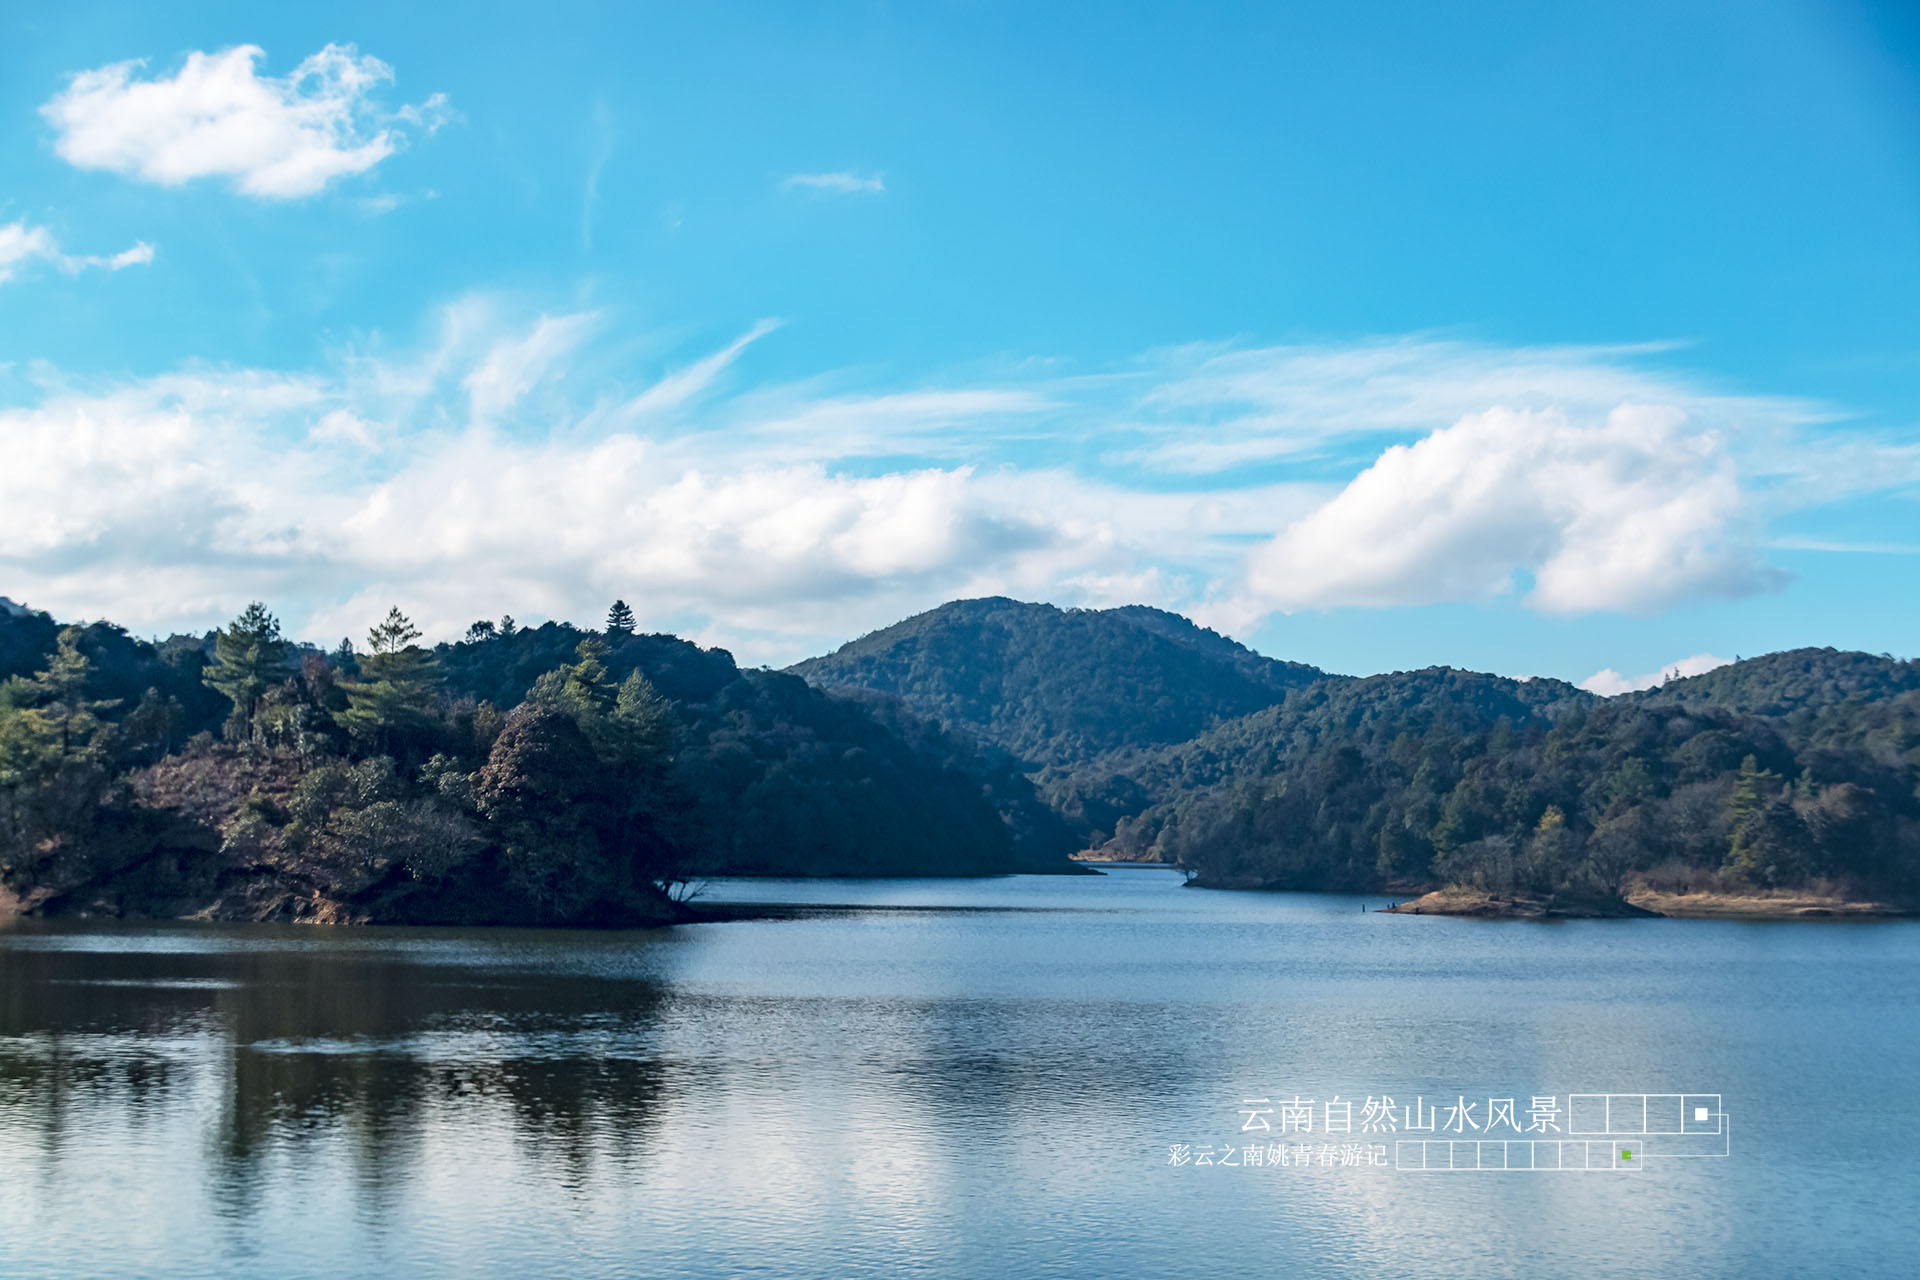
(1648,904)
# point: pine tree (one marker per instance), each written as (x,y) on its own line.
(620,624)
(61,693)
(583,689)
(1752,788)
(399,683)
(643,722)
(249,658)
(508,627)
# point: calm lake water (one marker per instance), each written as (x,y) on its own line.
(940,1078)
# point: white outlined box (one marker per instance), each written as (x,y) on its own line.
(1587,1113)
(1626,1113)
(1692,1107)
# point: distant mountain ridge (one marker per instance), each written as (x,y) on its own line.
(1058,687)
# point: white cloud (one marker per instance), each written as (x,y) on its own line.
(682,385)
(346,426)
(168,502)
(842,183)
(533,464)
(1209,409)
(272,137)
(948,422)
(1632,513)
(1607,682)
(513,366)
(601,141)
(21,245)
(139,255)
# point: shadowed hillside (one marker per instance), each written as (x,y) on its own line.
(528,775)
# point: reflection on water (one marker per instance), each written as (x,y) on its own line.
(939,1078)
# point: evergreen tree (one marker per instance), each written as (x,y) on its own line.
(53,706)
(642,723)
(249,657)
(399,685)
(1753,788)
(63,688)
(508,627)
(583,689)
(54,769)
(620,624)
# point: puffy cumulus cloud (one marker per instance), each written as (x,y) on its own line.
(1630,513)
(1607,682)
(22,245)
(555,529)
(218,117)
(153,503)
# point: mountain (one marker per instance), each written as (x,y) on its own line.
(1058,687)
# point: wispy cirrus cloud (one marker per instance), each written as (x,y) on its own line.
(22,245)
(1206,409)
(514,365)
(272,137)
(677,388)
(839,183)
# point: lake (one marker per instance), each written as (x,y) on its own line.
(991,1078)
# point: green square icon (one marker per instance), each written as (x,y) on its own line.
(1626,1153)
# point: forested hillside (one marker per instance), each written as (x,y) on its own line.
(558,774)
(1060,686)
(549,774)
(1796,680)
(1442,776)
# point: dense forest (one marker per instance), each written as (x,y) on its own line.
(1058,688)
(538,775)
(1793,769)
(556,774)
(1449,777)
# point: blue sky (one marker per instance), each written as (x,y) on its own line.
(1539,339)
